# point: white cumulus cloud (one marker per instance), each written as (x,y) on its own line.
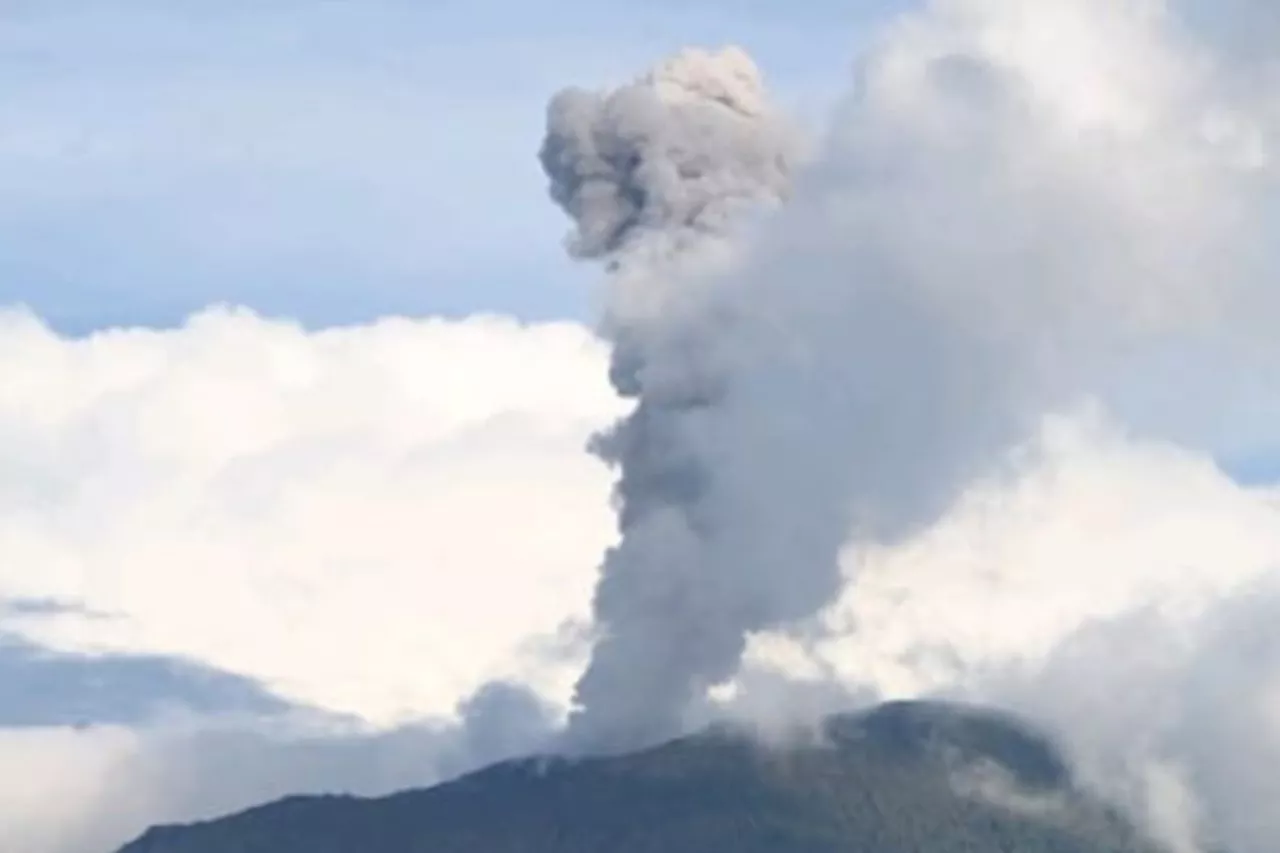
(372,520)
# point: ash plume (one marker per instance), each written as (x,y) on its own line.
(766,424)
(666,159)
(649,172)
(975,246)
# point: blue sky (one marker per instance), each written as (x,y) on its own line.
(329,160)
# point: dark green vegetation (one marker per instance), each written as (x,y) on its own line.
(904,778)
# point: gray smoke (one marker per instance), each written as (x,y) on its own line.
(650,172)
(971,249)
(666,159)
(781,401)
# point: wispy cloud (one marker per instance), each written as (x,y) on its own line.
(40,688)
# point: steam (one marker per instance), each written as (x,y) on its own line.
(1193,750)
(982,240)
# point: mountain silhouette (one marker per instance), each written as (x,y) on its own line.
(900,778)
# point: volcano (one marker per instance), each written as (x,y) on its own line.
(900,778)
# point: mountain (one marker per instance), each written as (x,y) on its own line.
(901,778)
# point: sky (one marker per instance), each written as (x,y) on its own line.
(328,161)
(297,383)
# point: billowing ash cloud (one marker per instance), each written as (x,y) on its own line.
(990,232)
(672,156)
(649,172)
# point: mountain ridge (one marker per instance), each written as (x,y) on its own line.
(904,777)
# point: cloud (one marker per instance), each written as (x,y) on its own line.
(1193,746)
(1118,591)
(40,688)
(374,520)
(92,789)
(1092,525)
(244,560)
